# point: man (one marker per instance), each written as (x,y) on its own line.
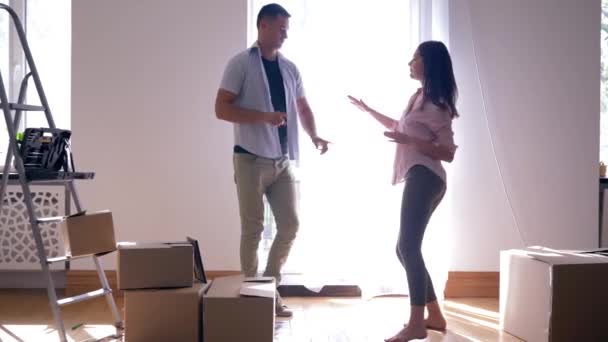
(261,92)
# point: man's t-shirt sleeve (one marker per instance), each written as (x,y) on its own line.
(234,75)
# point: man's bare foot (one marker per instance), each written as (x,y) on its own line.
(408,334)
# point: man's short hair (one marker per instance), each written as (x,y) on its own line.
(272,11)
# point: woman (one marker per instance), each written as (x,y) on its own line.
(424,139)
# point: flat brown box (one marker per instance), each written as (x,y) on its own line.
(91,233)
(154,265)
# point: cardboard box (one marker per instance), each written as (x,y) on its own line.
(230,317)
(91,233)
(163,315)
(550,295)
(154,265)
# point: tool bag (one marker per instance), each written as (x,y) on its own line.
(46,149)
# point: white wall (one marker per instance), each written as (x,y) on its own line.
(538,64)
(144,78)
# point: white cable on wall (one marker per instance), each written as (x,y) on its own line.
(485,114)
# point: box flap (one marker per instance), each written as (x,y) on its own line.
(84,212)
(225,287)
(561,257)
(177,244)
(266,290)
(258,280)
(148,245)
(205,287)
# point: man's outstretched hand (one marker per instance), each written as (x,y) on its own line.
(320,144)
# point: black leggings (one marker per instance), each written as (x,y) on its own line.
(422,193)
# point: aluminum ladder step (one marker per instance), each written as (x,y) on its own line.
(24,107)
(82,297)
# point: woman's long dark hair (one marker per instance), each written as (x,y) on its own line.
(439,82)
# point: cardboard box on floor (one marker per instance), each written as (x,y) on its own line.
(161,315)
(550,295)
(154,265)
(91,233)
(229,316)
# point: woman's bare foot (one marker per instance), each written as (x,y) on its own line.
(438,324)
(408,333)
(435,319)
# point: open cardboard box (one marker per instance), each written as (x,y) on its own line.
(551,295)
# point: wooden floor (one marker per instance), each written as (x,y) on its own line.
(25,316)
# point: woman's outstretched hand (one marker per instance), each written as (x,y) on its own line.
(359,104)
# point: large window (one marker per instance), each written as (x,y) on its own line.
(348,208)
(48,29)
(604,85)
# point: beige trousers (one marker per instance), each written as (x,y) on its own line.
(256,177)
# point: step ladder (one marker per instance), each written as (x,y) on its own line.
(25,179)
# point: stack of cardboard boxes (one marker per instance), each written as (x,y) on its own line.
(162,300)
(162,303)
